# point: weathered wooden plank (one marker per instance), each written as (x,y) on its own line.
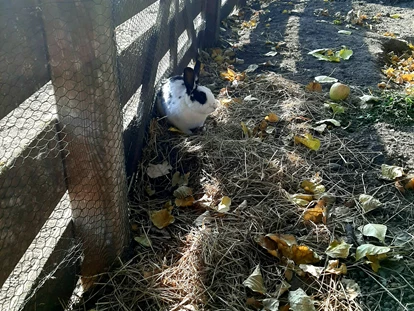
(125,9)
(132,61)
(212,14)
(59,275)
(23,60)
(46,274)
(82,60)
(31,185)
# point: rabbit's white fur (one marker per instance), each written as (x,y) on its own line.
(182,109)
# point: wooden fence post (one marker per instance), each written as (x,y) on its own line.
(212,13)
(82,54)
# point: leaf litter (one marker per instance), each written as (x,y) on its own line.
(206,264)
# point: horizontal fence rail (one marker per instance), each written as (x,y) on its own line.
(77,83)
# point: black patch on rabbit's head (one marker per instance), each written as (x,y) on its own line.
(198,96)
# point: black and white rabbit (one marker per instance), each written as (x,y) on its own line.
(185,103)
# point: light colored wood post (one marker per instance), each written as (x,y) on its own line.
(80,42)
(212,14)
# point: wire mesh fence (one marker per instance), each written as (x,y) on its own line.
(77,82)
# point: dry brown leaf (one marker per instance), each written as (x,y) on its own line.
(288,274)
(269,245)
(184,202)
(334,268)
(162,218)
(314,214)
(271,117)
(314,87)
(253,302)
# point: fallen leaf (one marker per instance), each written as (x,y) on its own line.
(308,141)
(270,304)
(282,288)
(336,108)
(255,281)
(271,54)
(269,245)
(246,131)
(184,196)
(224,205)
(250,98)
(352,288)
(299,301)
(301,199)
(391,172)
(162,218)
(320,128)
(202,219)
(314,87)
(370,249)
(334,268)
(312,270)
(345,32)
(179,179)
(368,202)
(252,68)
(338,249)
(313,187)
(184,202)
(374,230)
(314,215)
(395,16)
(271,117)
(410,184)
(325,79)
(253,302)
(158,170)
(287,246)
(144,240)
(331,121)
(285,308)
(183,192)
(345,54)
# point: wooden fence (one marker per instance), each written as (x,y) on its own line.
(77,82)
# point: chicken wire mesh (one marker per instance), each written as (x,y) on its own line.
(77,82)
(62,176)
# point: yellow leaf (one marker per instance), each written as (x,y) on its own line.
(162,218)
(229,75)
(271,117)
(312,187)
(247,133)
(224,205)
(308,141)
(288,247)
(269,245)
(314,87)
(173,129)
(410,184)
(185,202)
(314,214)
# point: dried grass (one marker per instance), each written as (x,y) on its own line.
(202,268)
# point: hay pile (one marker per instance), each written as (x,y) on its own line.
(193,266)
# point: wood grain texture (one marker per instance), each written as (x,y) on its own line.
(212,14)
(82,60)
(30,188)
(23,61)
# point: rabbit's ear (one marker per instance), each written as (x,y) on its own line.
(189,78)
(197,71)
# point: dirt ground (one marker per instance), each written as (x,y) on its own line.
(201,260)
